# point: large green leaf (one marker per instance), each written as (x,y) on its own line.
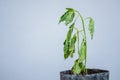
(82,51)
(68,16)
(72,46)
(91,27)
(69,47)
(66,49)
(69,34)
(76,67)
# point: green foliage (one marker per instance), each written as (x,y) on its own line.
(82,51)
(68,16)
(91,27)
(69,43)
(76,67)
(72,46)
(73,37)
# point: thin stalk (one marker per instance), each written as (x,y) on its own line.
(83,25)
(78,38)
(78,30)
(78,41)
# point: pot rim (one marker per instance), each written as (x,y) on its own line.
(101,71)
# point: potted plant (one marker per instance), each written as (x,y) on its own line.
(75,42)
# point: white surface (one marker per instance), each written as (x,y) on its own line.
(31,39)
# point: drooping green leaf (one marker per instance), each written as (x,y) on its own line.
(91,27)
(66,49)
(68,16)
(72,46)
(76,69)
(70,32)
(82,66)
(82,51)
(63,17)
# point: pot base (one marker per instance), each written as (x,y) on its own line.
(93,74)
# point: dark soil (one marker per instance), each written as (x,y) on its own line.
(89,71)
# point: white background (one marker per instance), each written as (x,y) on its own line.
(31,41)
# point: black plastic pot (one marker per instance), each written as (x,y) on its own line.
(93,74)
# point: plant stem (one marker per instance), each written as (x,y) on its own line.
(83,25)
(78,40)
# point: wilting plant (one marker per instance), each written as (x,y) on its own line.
(76,38)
